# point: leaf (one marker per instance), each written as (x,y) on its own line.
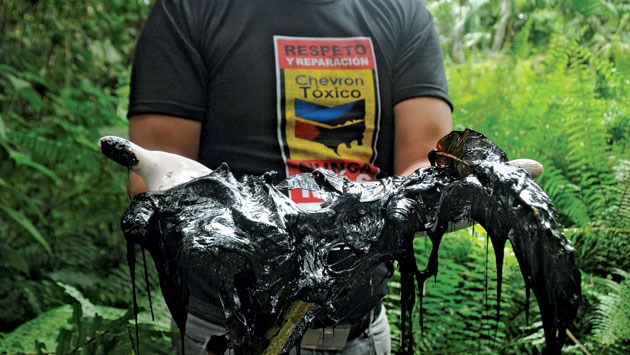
(24,159)
(20,219)
(3,128)
(16,261)
(611,319)
(87,307)
(18,83)
(45,327)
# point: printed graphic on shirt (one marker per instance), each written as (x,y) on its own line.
(328,107)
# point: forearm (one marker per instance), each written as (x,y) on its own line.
(164,133)
(135,185)
(420,123)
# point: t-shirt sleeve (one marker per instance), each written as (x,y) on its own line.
(168,75)
(419,70)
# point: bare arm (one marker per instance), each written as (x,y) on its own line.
(165,133)
(420,122)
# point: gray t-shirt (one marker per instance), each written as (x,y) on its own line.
(290,85)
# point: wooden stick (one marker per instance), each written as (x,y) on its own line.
(278,338)
(577,342)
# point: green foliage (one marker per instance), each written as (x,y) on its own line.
(569,111)
(63,84)
(611,319)
(565,105)
(545,79)
(473,30)
(83,328)
(459,307)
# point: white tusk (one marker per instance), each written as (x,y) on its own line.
(159,170)
(533,168)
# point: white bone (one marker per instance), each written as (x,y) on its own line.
(533,168)
(159,170)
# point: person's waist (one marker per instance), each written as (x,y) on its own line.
(214,314)
(335,338)
(208,311)
(359,327)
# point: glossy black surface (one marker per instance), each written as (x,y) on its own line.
(262,252)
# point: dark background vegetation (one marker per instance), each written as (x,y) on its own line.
(545,79)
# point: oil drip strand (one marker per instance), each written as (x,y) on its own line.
(262,254)
(131,261)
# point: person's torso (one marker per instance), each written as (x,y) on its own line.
(296,85)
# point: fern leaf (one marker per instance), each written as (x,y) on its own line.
(611,319)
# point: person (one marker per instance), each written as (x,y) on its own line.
(355,86)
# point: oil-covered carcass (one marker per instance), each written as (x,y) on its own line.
(268,257)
